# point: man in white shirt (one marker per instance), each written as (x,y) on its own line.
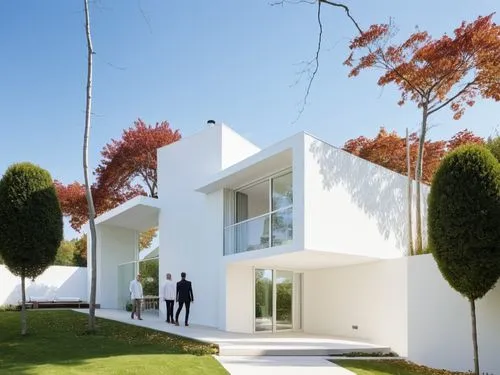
(168,295)
(136,296)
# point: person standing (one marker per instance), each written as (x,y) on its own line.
(168,294)
(184,296)
(136,296)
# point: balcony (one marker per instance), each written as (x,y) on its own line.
(268,230)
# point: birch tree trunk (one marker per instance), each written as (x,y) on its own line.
(88,191)
(410,196)
(418,179)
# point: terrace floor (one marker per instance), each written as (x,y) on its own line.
(244,344)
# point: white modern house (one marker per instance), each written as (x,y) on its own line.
(299,236)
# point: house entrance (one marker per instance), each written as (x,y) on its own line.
(278,300)
(148,268)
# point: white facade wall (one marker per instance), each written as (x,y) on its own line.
(240,306)
(439,324)
(117,245)
(55,281)
(371,296)
(191,223)
(353,206)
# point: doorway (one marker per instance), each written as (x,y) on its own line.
(278,300)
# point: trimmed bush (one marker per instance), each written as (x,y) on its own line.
(464,224)
(31,225)
(464,220)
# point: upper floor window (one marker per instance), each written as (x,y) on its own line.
(261,215)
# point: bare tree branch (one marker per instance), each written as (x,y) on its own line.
(146,18)
(314,62)
(346,9)
(312,66)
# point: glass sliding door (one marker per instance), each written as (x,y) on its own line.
(284,298)
(297,300)
(264,300)
(278,300)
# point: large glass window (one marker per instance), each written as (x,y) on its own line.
(262,215)
(282,191)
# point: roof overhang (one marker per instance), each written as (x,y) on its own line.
(299,260)
(262,164)
(140,213)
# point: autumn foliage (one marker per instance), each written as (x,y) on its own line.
(127,169)
(388,149)
(134,157)
(451,70)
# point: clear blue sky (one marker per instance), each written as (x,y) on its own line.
(188,61)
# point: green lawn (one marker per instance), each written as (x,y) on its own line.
(57,344)
(389,367)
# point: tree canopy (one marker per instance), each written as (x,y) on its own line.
(451,70)
(388,149)
(127,169)
(31,226)
(464,218)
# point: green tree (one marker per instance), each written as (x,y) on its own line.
(66,253)
(31,225)
(464,222)
(80,255)
(149,272)
(493,144)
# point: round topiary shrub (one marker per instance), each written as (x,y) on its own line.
(464,224)
(464,220)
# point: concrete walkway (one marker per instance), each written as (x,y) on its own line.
(285,353)
(274,365)
(244,344)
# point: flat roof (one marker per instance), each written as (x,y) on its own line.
(139,213)
(261,164)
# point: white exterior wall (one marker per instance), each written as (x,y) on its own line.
(55,281)
(353,206)
(439,325)
(240,306)
(116,246)
(191,223)
(372,296)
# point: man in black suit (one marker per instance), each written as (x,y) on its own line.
(184,295)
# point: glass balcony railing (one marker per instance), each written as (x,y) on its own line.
(268,230)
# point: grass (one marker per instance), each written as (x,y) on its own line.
(57,343)
(389,367)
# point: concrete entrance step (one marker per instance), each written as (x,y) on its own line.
(298,346)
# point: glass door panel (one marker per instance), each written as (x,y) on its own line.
(284,298)
(263,300)
(297,301)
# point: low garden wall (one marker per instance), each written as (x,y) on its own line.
(55,282)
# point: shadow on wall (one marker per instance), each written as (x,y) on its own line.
(379,192)
(56,281)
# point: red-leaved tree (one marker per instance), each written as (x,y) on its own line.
(132,158)
(433,73)
(388,149)
(128,169)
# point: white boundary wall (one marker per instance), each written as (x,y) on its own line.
(56,281)
(405,304)
(439,322)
